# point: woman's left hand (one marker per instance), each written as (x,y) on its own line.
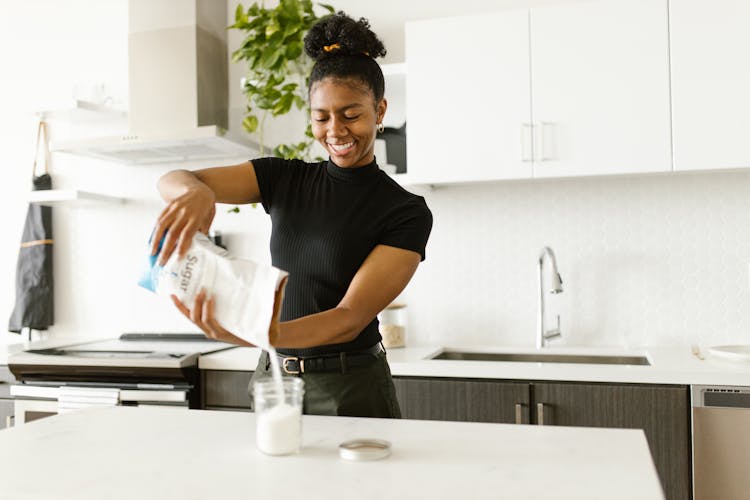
(202,315)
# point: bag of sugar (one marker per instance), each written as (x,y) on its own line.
(243,290)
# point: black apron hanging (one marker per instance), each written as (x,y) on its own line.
(34,298)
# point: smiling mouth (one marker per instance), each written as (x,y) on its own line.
(341,148)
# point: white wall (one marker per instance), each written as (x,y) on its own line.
(52,50)
(645,260)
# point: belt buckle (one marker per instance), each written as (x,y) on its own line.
(290,359)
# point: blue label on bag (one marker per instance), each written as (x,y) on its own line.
(150,275)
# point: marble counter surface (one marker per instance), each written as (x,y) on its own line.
(158,453)
(668,365)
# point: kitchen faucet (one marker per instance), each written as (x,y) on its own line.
(542,334)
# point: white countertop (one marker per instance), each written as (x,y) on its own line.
(145,453)
(669,365)
(8,349)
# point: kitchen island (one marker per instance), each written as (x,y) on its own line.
(122,452)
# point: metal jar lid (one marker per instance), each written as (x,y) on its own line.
(364,449)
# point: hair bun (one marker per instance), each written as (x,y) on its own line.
(339,34)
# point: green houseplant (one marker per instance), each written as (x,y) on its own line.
(278,67)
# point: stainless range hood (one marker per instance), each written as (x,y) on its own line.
(199,143)
(178,88)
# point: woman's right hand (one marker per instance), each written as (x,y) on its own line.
(185,215)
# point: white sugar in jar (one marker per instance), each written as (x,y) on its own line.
(278,419)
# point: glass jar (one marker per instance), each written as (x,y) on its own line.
(278,415)
(393,325)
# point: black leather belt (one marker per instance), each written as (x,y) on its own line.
(338,362)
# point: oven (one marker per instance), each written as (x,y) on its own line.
(132,370)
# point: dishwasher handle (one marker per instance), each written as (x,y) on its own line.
(711,396)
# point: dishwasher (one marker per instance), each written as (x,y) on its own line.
(721,442)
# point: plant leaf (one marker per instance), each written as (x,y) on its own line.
(250,123)
(272,93)
(239,13)
(327,7)
(283,105)
(271,28)
(270,56)
(293,50)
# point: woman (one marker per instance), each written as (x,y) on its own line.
(349,236)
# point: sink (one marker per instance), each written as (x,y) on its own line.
(544,357)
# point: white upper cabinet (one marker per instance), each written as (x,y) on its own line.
(566,90)
(600,88)
(467,98)
(710,42)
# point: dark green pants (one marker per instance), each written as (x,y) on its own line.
(366,391)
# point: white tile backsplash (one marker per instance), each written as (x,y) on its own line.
(658,259)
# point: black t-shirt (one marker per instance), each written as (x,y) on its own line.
(325,221)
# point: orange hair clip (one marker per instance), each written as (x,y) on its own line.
(332,47)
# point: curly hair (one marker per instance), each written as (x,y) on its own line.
(345,49)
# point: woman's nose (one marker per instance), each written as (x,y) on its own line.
(336,127)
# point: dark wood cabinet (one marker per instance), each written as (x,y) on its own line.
(663,412)
(225,389)
(463,400)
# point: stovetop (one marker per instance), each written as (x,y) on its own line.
(154,350)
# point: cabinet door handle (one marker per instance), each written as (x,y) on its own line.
(540,413)
(519,413)
(527,130)
(547,144)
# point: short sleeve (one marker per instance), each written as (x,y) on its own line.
(409,227)
(268,172)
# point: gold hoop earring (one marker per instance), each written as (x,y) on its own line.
(381,127)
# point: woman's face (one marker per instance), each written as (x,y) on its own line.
(344,120)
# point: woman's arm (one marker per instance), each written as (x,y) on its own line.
(380,279)
(191,203)
(383,275)
(235,184)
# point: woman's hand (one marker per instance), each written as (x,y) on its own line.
(191,198)
(185,215)
(202,315)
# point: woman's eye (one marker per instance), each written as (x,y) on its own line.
(319,119)
(351,117)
